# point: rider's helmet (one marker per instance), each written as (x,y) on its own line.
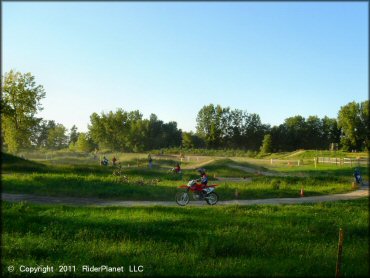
(201,171)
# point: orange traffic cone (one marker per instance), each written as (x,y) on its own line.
(302,192)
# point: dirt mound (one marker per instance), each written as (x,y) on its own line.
(255,171)
(12,162)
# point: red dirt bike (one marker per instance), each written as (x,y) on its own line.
(208,193)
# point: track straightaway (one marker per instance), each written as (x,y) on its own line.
(360,193)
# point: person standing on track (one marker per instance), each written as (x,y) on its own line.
(150,161)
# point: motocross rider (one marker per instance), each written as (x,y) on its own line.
(357,175)
(203,179)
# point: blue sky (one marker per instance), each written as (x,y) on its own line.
(274,59)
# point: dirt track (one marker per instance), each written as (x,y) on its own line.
(254,171)
(362,192)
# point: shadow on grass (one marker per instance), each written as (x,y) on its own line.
(217,232)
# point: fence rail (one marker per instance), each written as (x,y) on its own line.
(343,161)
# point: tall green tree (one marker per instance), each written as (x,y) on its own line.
(40,133)
(331,132)
(295,131)
(112,130)
(353,125)
(73,135)
(313,134)
(122,130)
(266,144)
(223,127)
(84,143)
(191,140)
(21,100)
(209,125)
(364,115)
(57,137)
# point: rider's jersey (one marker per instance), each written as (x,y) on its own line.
(204,179)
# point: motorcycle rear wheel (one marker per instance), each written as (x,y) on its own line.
(212,198)
(182,198)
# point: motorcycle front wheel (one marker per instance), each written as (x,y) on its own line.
(212,198)
(182,198)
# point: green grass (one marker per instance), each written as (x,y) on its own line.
(23,176)
(263,240)
(73,185)
(281,240)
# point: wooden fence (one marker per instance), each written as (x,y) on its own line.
(344,161)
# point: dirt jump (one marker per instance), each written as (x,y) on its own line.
(255,171)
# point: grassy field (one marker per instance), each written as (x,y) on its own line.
(141,183)
(285,240)
(260,240)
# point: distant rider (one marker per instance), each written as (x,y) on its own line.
(177,169)
(104,161)
(114,160)
(357,175)
(150,161)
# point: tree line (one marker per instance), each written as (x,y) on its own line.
(217,127)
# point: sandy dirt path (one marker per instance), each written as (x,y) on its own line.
(254,171)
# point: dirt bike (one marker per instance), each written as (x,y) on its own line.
(192,188)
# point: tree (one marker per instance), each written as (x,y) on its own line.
(253,131)
(313,136)
(353,126)
(191,140)
(20,102)
(122,130)
(57,138)
(84,143)
(331,132)
(162,135)
(223,127)
(266,144)
(171,135)
(40,133)
(364,115)
(73,135)
(209,125)
(295,132)
(187,140)
(112,130)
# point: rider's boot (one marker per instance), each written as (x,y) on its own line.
(203,194)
